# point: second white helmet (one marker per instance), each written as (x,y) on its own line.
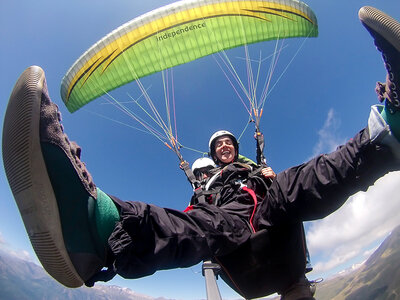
(203,162)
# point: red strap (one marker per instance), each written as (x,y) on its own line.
(189,208)
(253,195)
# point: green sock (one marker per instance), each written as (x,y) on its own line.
(392,118)
(106,215)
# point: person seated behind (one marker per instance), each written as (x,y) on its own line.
(203,168)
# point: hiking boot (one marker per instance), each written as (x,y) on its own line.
(51,186)
(386,33)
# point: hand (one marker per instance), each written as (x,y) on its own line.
(268,173)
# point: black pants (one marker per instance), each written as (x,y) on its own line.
(149,238)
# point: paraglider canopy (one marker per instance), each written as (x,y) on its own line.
(176,34)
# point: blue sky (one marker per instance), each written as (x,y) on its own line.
(321,100)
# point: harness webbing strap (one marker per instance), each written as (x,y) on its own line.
(196,184)
(256,171)
(254,197)
(184,165)
(260,148)
(199,193)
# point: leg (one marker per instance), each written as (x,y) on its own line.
(74,227)
(317,188)
(149,238)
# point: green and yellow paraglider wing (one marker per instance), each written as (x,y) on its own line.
(176,34)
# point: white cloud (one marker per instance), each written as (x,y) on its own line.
(328,139)
(21,254)
(367,253)
(364,218)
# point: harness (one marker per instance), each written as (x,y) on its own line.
(212,195)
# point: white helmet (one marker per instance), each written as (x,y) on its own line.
(202,166)
(203,162)
(215,136)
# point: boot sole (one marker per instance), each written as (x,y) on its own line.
(383,24)
(28,178)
